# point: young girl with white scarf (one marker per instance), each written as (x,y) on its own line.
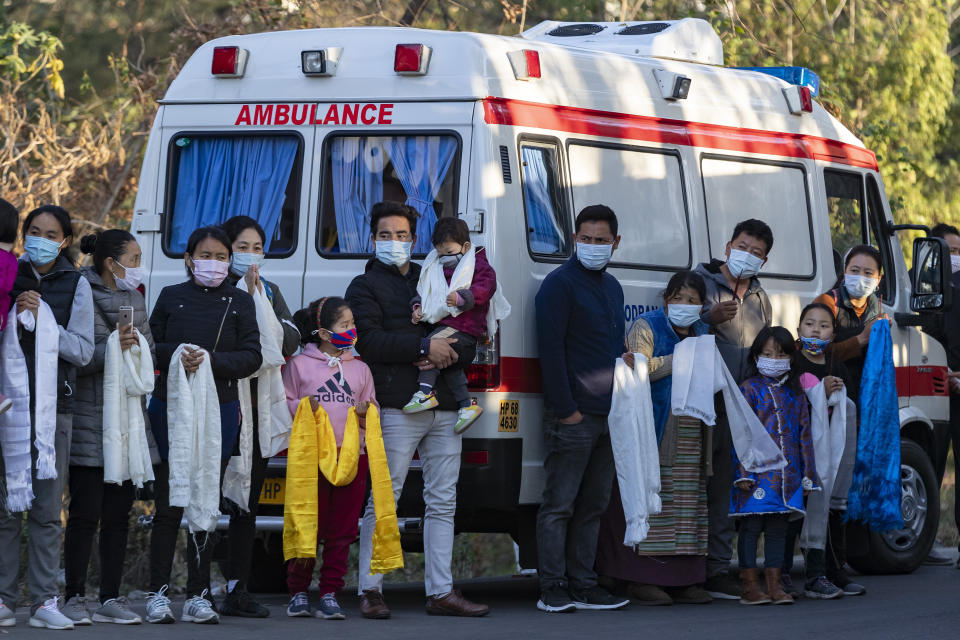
(110,451)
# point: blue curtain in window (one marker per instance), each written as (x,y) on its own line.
(546,235)
(357,172)
(219,178)
(421,163)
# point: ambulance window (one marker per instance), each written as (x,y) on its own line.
(547,227)
(215,177)
(845,207)
(360,171)
(645,189)
(881,240)
(736,190)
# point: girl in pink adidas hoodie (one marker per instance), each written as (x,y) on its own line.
(328,370)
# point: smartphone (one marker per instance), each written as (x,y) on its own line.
(126,317)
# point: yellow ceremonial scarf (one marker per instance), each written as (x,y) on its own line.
(313,445)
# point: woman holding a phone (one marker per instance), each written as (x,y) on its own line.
(118,306)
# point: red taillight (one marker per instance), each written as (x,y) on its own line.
(475,457)
(806,99)
(411,59)
(533,63)
(228,62)
(484,372)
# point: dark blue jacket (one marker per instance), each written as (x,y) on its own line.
(580,335)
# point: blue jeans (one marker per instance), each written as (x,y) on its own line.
(229,427)
(774,530)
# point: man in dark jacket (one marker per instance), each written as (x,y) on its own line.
(736,308)
(580,335)
(948,333)
(393,347)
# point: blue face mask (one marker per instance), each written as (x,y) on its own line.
(683,315)
(240,262)
(813,346)
(594,256)
(393,252)
(40,250)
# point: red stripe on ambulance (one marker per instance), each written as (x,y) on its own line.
(610,124)
(307,113)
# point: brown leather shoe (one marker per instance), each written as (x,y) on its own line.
(751,592)
(454,604)
(372,605)
(775,587)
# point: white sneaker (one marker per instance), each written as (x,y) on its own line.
(48,616)
(7,616)
(200,610)
(158,607)
(75,608)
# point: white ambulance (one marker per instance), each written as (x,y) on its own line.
(305,130)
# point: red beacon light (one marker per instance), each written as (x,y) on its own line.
(799,100)
(411,59)
(229,62)
(525,63)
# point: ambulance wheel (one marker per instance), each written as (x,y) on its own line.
(268,571)
(903,550)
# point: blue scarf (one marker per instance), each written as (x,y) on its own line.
(665,339)
(875,492)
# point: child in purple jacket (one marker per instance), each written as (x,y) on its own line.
(9,224)
(451,240)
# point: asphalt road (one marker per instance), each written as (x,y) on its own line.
(925,604)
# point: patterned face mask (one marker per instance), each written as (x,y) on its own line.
(813,346)
(344,340)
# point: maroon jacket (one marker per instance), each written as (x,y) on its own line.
(8,273)
(473,320)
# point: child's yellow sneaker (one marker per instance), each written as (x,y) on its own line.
(421,402)
(466,417)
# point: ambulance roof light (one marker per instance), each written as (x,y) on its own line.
(800,76)
(525,63)
(799,100)
(320,62)
(411,59)
(229,62)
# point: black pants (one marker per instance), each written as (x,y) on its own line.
(579,479)
(944,439)
(243,525)
(163,539)
(94,504)
(774,529)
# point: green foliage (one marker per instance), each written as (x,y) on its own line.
(26,54)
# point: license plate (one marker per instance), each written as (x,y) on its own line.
(273,491)
(509,419)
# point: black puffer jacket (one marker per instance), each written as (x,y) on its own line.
(86,445)
(386,339)
(187,313)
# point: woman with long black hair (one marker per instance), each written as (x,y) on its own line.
(220,322)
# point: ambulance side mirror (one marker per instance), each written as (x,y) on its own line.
(931,276)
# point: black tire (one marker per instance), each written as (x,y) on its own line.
(902,551)
(268,571)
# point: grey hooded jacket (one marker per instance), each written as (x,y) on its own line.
(735,336)
(86,447)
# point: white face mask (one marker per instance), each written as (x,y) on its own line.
(859,286)
(683,315)
(594,256)
(773,367)
(743,265)
(241,262)
(132,277)
(955,263)
(393,252)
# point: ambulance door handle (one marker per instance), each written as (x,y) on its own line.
(474,220)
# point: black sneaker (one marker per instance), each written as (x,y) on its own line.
(853,589)
(240,603)
(723,586)
(597,597)
(820,588)
(556,600)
